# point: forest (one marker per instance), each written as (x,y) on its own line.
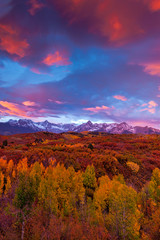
(77,186)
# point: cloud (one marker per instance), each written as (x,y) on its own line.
(11,42)
(120,97)
(25,109)
(59,102)
(36,5)
(152,104)
(29,103)
(154,5)
(14,109)
(152,68)
(151,107)
(56,59)
(105,20)
(99,109)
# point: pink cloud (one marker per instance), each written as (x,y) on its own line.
(151,110)
(35,6)
(29,103)
(26,109)
(152,104)
(150,107)
(15,109)
(59,102)
(56,59)
(56,101)
(120,97)
(11,42)
(144,104)
(35,70)
(99,109)
(152,68)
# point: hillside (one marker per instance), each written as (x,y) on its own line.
(110,153)
(89,185)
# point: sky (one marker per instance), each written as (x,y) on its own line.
(76,60)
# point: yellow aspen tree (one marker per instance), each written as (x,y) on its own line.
(8,184)
(123,212)
(22,166)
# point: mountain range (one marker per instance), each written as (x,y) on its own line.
(28,126)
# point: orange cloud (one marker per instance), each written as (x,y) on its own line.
(155,5)
(10,41)
(151,110)
(29,103)
(35,6)
(151,107)
(152,104)
(13,109)
(152,68)
(25,109)
(98,109)
(119,97)
(56,59)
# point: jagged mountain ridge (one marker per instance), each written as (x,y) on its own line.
(28,126)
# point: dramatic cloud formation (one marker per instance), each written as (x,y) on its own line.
(11,41)
(74,60)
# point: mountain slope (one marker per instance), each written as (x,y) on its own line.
(28,126)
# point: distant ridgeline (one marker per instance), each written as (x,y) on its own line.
(28,126)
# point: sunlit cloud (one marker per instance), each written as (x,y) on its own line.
(99,109)
(25,109)
(152,104)
(152,68)
(120,97)
(14,109)
(29,103)
(155,5)
(56,59)
(11,42)
(150,107)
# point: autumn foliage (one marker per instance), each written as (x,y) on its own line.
(56,186)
